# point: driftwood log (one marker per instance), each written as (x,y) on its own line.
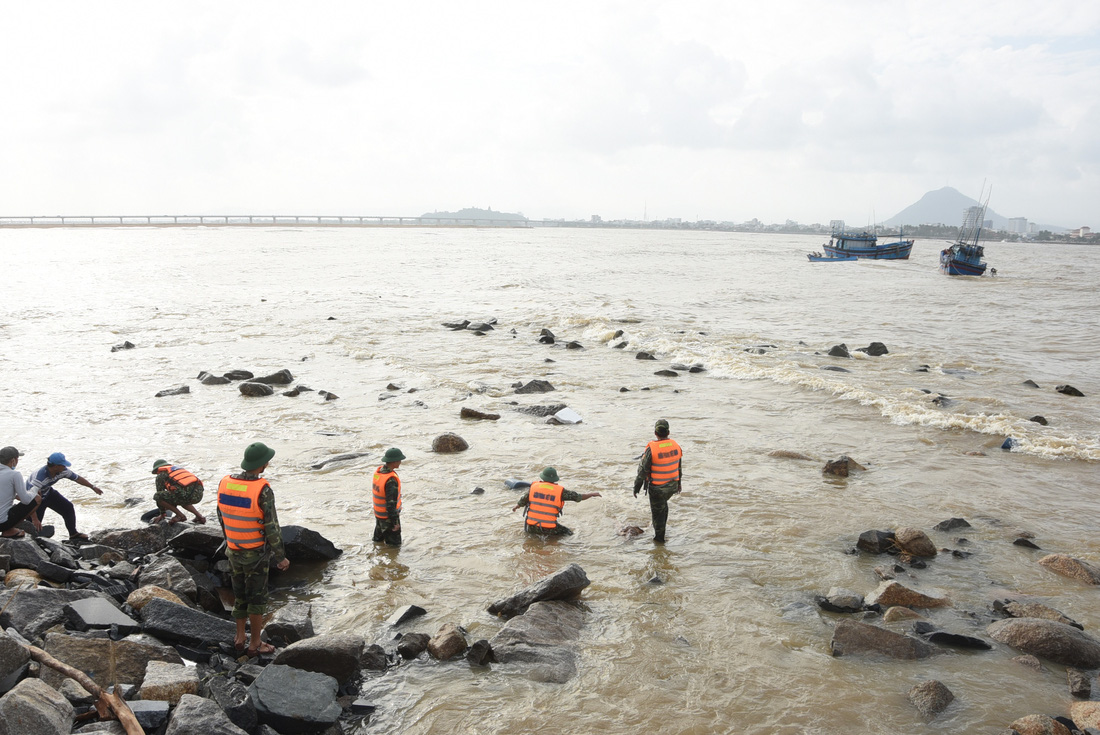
(106,704)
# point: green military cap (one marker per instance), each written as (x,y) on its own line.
(549,475)
(661,424)
(256,455)
(158,464)
(393,454)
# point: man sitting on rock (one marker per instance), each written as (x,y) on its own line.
(544,501)
(12,489)
(175,487)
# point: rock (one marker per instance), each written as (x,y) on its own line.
(480,654)
(54,572)
(840,350)
(291,623)
(168,682)
(193,628)
(234,700)
(137,541)
(328,396)
(24,553)
(449,444)
(173,391)
(1085,714)
(644,356)
(303,544)
(930,697)
(167,573)
(469,413)
(106,661)
(786,454)
(542,410)
(140,597)
(1029,661)
(890,593)
(1080,683)
(339,458)
(667,373)
(405,614)
(14,658)
(447,643)
(334,654)
(239,375)
(541,640)
(294,701)
(480,327)
(1010,443)
(561,585)
(412,645)
(95,613)
(76,694)
(875,349)
(31,611)
(283,377)
(958,640)
(95,552)
(546,337)
(951,524)
(1026,543)
(535,386)
(877,542)
(1057,642)
(835,368)
(127,345)
(840,600)
(914,542)
(574,345)
(631,531)
(899,612)
(457,326)
(566,416)
(373,658)
(620,346)
(1069,390)
(215,380)
(150,714)
(204,540)
(854,638)
(842,467)
(1015,609)
(255,390)
(34,708)
(1039,725)
(198,715)
(1071,567)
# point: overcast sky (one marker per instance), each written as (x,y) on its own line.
(710,109)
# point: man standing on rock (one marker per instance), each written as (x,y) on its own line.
(42,482)
(386,492)
(544,501)
(246,510)
(660,473)
(175,487)
(13,489)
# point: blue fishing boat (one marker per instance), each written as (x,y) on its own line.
(964,257)
(851,245)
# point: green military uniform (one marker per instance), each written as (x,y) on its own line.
(559,530)
(659,495)
(249,567)
(169,492)
(383,527)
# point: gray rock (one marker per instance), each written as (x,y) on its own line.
(150,713)
(535,386)
(30,610)
(171,622)
(405,614)
(76,694)
(842,600)
(546,337)
(14,658)
(334,654)
(168,682)
(283,377)
(303,544)
(877,542)
(24,553)
(541,641)
(542,411)
(295,701)
(235,701)
(449,443)
(255,390)
(137,541)
(875,349)
(168,573)
(291,623)
(840,350)
(94,552)
(480,654)
(54,572)
(643,356)
(35,708)
(205,540)
(1057,642)
(855,638)
(930,697)
(1069,390)
(215,380)
(173,391)
(340,458)
(107,662)
(412,645)
(561,585)
(96,613)
(373,658)
(667,373)
(951,524)
(239,375)
(127,345)
(1041,420)
(1080,683)
(197,715)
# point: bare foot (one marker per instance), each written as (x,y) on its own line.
(176,519)
(201,520)
(263,648)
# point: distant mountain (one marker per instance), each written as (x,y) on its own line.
(946,206)
(475,213)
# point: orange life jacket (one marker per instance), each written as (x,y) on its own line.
(665,456)
(242,519)
(381,477)
(544,503)
(177,477)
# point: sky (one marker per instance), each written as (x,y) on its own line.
(723,110)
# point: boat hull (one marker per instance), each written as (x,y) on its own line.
(954,262)
(891,251)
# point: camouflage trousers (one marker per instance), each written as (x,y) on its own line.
(659,496)
(384,533)
(249,568)
(188,495)
(558,530)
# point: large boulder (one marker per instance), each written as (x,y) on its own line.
(32,611)
(914,542)
(96,613)
(1057,642)
(194,628)
(1038,725)
(295,701)
(854,638)
(303,544)
(107,662)
(168,573)
(1071,567)
(14,658)
(197,715)
(563,584)
(291,623)
(877,542)
(35,707)
(24,553)
(137,541)
(875,349)
(1017,609)
(334,654)
(541,641)
(168,682)
(234,699)
(1085,714)
(449,444)
(890,593)
(204,540)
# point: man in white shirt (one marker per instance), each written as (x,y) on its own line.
(13,488)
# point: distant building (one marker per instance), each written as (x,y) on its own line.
(1017,224)
(1080,232)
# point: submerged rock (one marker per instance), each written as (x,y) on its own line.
(1069,390)
(1071,567)
(930,697)
(174,391)
(951,524)
(1057,642)
(840,350)
(339,458)
(127,345)
(255,390)
(561,585)
(535,386)
(787,454)
(449,444)
(854,638)
(283,377)
(842,466)
(890,593)
(541,641)
(875,349)
(470,413)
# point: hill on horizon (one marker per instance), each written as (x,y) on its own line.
(946,206)
(476,213)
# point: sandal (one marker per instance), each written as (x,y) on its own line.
(18,533)
(79,537)
(263,648)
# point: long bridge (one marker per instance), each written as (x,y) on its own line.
(251,220)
